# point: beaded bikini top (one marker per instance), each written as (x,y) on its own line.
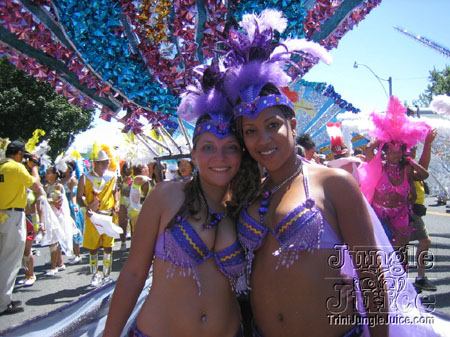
(183,247)
(302,229)
(385,186)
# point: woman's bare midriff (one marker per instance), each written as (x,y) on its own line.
(176,300)
(304,300)
(388,200)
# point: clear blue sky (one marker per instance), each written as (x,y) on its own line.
(377,44)
(387,52)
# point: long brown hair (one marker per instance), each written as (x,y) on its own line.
(242,186)
(249,188)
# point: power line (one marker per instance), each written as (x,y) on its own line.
(409,78)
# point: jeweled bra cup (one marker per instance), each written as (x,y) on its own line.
(300,230)
(183,247)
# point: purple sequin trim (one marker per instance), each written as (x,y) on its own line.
(184,248)
(220,130)
(300,230)
(252,109)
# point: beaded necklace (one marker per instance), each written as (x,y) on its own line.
(393,171)
(215,219)
(267,195)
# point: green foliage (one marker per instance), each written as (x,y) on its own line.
(27,104)
(439,85)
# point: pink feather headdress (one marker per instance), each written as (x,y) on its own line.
(396,126)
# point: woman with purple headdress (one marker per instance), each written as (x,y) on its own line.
(301,212)
(187,233)
(305,229)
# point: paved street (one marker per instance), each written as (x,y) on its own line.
(51,293)
(437,221)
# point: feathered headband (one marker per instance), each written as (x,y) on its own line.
(41,150)
(255,60)
(208,98)
(394,126)
(336,141)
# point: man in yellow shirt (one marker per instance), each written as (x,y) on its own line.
(14,181)
(97,192)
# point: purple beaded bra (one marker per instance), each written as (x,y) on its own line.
(183,247)
(300,230)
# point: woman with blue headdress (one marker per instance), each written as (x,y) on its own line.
(316,264)
(187,234)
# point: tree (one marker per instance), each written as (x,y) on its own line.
(27,104)
(440,85)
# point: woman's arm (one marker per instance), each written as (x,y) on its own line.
(357,232)
(370,149)
(135,271)
(412,187)
(425,158)
(80,192)
(419,172)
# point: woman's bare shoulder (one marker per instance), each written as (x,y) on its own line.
(328,175)
(165,198)
(167,191)
(163,202)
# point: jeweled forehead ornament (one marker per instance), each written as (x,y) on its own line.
(218,129)
(253,108)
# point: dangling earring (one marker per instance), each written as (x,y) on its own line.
(195,172)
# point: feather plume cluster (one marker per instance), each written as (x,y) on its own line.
(269,19)
(41,151)
(335,133)
(61,162)
(255,59)
(207,97)
(396,126)
(31,143)
(112,157)
(441,104)
(133,151)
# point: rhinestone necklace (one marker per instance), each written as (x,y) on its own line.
(266,195)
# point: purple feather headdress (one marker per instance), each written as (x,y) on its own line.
(254,60)
(208,98)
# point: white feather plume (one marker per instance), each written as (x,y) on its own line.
(304,45)
(60,162)
(268,19)
(441,104)
(41,151)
